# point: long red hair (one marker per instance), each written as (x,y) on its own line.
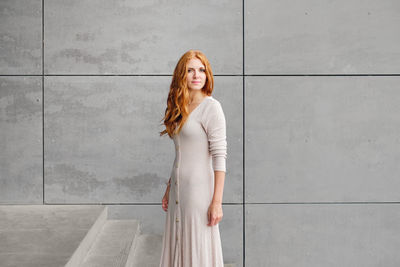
(177,111)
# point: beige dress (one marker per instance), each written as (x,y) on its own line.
(200,148)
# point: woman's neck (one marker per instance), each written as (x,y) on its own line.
(196,96)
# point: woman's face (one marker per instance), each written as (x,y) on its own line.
(196,76)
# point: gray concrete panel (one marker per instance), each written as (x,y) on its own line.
(21,37)
(314,36)
(95,131)
(322,139)
(328,235)
(21,157)
(152,219)
(140,37)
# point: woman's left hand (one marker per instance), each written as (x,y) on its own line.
(214,213)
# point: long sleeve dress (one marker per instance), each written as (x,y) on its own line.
(200,149)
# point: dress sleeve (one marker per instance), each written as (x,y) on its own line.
(215,126)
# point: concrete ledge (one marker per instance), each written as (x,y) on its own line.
(45,235)
(84,247)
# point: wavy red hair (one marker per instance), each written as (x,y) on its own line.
(177,110)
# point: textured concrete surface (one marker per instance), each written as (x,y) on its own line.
(113,244)
(21,156)
(322,37)
(322,139)
(95,129)
(140,36)
(39,235)
(148,251)
(20,37)
(328,235)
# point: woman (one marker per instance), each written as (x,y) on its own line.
(193,197)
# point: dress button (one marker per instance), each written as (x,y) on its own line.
(177,220)
(176,182)
(177,202)
(176,166)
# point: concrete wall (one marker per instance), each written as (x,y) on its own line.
(310,92)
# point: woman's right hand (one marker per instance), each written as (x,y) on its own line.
(165,200)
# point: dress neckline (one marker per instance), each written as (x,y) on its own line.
(202,101)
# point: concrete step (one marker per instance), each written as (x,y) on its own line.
(47,235)
(148,252)
(113,244)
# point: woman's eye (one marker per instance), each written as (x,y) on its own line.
(190,70)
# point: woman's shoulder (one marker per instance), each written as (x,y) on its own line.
(211,101)
(211,107)
(212,114)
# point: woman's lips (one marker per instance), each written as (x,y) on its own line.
(196,82)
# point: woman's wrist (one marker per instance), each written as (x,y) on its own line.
(216,202)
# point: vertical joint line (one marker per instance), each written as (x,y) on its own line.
(43,192)
(243,139)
